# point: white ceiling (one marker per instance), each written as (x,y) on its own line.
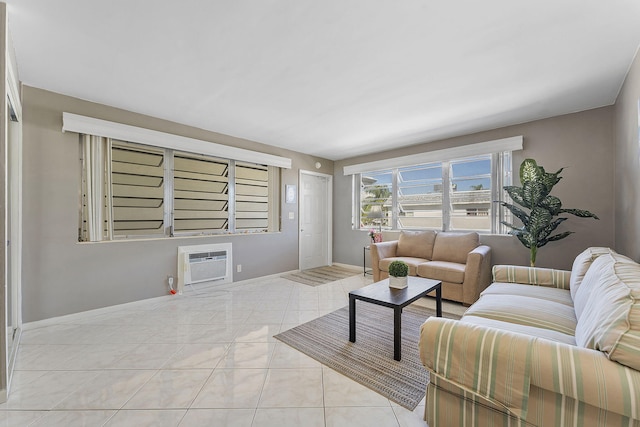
(331,78)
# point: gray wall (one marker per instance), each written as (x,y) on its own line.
(627,169)
(582,143)
(62,276)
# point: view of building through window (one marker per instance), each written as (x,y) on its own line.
(451,195)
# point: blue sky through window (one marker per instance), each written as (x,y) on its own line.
(466,176)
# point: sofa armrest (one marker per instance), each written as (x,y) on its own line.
(531,276)
(501,366)
(486,362)
(380,251)
(586,375)
(477,274)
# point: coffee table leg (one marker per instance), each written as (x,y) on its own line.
(439,301)
(397,335)
(352,319)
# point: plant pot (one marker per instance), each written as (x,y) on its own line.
(398,282)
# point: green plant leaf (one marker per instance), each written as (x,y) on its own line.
(519,213)
(544,233)
(559,236)
(550,179)
(529,171)
(553,238)
(552,204)
(539,219)
(515,193)
(579,212)
(398,268)
(525,239)
(533,193)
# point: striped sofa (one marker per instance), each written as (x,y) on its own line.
(541,347)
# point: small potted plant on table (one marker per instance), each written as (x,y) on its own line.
(398,272)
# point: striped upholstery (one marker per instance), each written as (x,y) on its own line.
(520,356)
(611,317)
(561,296)
(581,264)
(563,384)
(500,373)
(527,311)
(586,376)
(598,271)
(531,276)
(521,329)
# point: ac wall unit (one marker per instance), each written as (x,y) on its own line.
(204,263)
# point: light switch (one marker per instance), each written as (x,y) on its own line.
(292,215)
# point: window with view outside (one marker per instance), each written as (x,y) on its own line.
(450,195)
(376,190)
(471,194)
(420,196)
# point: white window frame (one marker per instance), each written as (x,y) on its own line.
(501,175)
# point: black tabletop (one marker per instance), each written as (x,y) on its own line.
(381,292)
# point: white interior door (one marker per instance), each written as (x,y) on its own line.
(315,219)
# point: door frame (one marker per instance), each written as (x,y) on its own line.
(329,212)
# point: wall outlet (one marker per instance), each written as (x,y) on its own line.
(239,268)
(292,215)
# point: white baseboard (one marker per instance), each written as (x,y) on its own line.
(73,317)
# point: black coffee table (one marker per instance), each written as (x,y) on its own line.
(381,294)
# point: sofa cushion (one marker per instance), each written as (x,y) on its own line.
(610,321)
(521,329)
(444,271)
(581,264)
(524,310)
(413,263)
(416,244)
(594,275)
(561,296)
(454,247)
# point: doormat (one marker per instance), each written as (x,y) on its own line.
(322,275)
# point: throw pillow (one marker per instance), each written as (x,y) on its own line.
(610,320)
(416,244)
(580,266)
(454,247)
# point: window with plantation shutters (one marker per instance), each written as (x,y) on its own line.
(132,190)
(200,193)
(252,196)
(137,190)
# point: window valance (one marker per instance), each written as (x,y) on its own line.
(91,126)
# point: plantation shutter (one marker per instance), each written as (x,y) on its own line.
(252,196)
(201,193)
(137,189)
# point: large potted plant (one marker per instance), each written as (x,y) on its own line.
(540,211)
(398,272)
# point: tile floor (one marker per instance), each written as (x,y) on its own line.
(205,358)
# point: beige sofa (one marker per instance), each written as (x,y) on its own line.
(541,347)
(457,259)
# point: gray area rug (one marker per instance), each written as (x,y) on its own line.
(369,360)
(322,275)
